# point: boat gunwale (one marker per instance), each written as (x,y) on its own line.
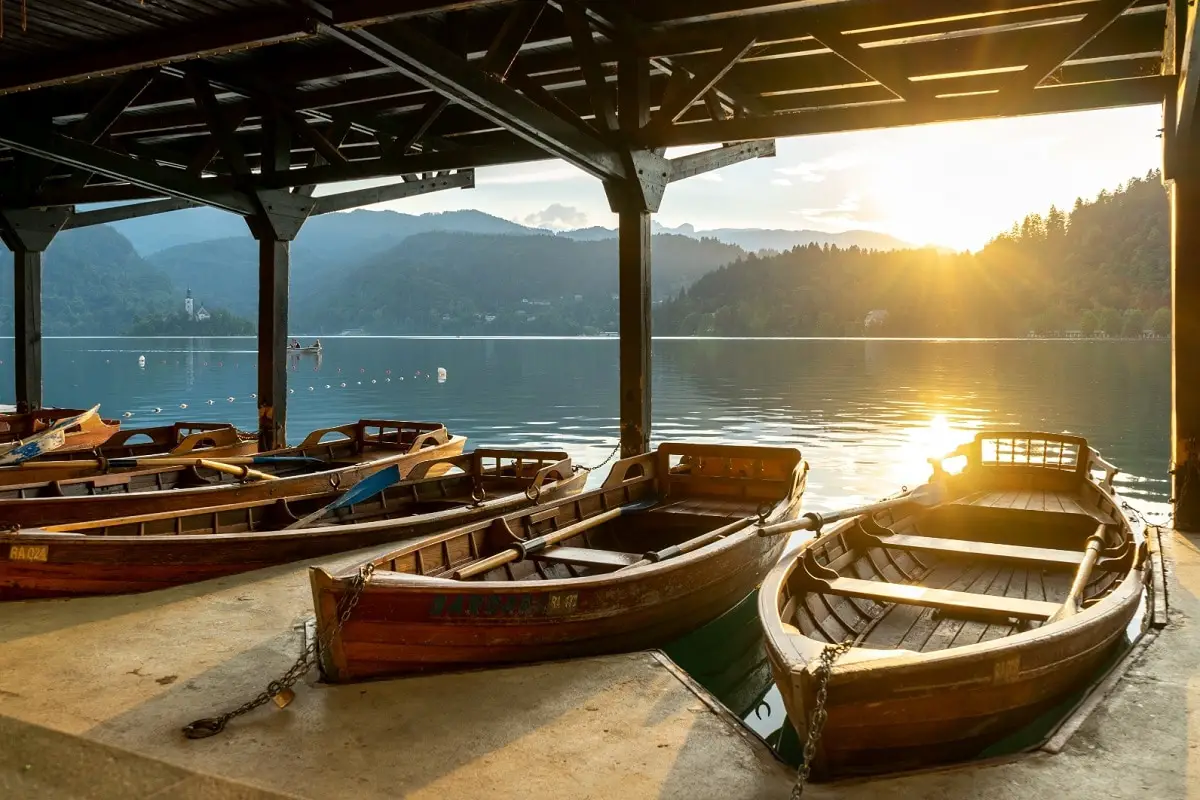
(800,653)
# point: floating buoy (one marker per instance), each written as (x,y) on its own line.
(290,391)
(401,377)
(183,405)
(127,414)
(253,396)
(372,380)
(360,383)
(230,399)
(389,380)
(441,374)
(310,388)
(157,410)
(362,369)
(343,386)
(387,372)
(210,402)
(327,386)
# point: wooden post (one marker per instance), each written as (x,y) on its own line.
(1185,349)
(27,327)
(635,308)
(273,267)
(28,232)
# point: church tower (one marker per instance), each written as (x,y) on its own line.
(187,305)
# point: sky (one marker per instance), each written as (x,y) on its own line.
(955,185)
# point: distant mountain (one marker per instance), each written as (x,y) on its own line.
(461,283)
(324,233)
(757,239)
(224,271)
(93,282)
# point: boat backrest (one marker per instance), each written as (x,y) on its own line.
(1060,457)
(740,471)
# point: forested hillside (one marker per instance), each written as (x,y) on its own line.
(1104,265)
(464,284)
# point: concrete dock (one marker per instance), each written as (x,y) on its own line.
(93,693)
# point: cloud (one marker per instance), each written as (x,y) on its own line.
(781,182)
(559,217)
(852,211)
(816,171)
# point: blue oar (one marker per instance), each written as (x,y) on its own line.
(365,489)
(46,441)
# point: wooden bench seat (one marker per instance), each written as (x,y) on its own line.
(944,599)
(587,557)
(1033,500)
(1041,556)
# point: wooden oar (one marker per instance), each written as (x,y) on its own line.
(127,462)
(45,441)
(654,556)
(930,495)
(365,489)
(520,550)
(1091,555)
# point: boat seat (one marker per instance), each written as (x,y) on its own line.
(944,599)
(1042,556)
(1034,500)
(587,557)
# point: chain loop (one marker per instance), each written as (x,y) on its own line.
(816,722)
(211,726)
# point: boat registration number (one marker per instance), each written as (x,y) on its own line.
(503,605)
(28,552)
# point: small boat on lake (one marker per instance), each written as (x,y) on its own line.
(318,464)
(90,432)
(202,439)
(658,550)
(312,349)
(966,619)
(155,551)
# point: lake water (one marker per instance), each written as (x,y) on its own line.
(866,414)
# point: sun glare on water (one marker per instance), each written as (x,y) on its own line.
(936,438)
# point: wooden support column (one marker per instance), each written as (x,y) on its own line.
(28,232)
(1185,349)
(274,258)
(635,308)
(282,216)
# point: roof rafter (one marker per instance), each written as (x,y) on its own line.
(463,179)
(1099,17)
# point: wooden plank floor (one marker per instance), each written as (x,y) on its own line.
(1032,500)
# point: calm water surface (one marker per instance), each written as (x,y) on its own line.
(866,414)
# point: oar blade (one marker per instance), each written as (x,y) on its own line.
(46,441)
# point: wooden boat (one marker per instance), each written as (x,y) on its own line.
(205,439)
(316,465)
(310,350)
(653,553)
(92,433)
(154,551)
(967,619)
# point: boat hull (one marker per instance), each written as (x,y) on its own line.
(423,625)
(134,493)
(73,565)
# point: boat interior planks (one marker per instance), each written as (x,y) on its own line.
(667,543)
(963,621)
(154,551)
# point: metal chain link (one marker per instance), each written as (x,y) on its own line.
(211,726)
(816,722)
(611,453)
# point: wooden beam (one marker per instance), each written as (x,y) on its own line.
(103,216)
(80,155)
(219,125)
(414,55)
(1046,100)
(877,64)
(27,328)
(1099,17)
(635,306)
(589,61)
(1185,349)
(1188,89)
(698,163)
(394,191)
(336,136)
(274,258)
(693,90)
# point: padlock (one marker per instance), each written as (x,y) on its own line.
(283,697)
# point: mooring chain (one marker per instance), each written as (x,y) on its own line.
(608,458)
(280,690)
(816,722)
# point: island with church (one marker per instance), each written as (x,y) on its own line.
(193,320)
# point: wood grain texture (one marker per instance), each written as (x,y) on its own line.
(942,666)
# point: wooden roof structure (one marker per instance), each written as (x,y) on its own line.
(206,100)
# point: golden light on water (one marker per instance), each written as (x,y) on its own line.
(936,438)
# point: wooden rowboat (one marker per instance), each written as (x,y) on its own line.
(316,465)
(91,433)
(206,439)
(154,551)
(967,619)
(655,552)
